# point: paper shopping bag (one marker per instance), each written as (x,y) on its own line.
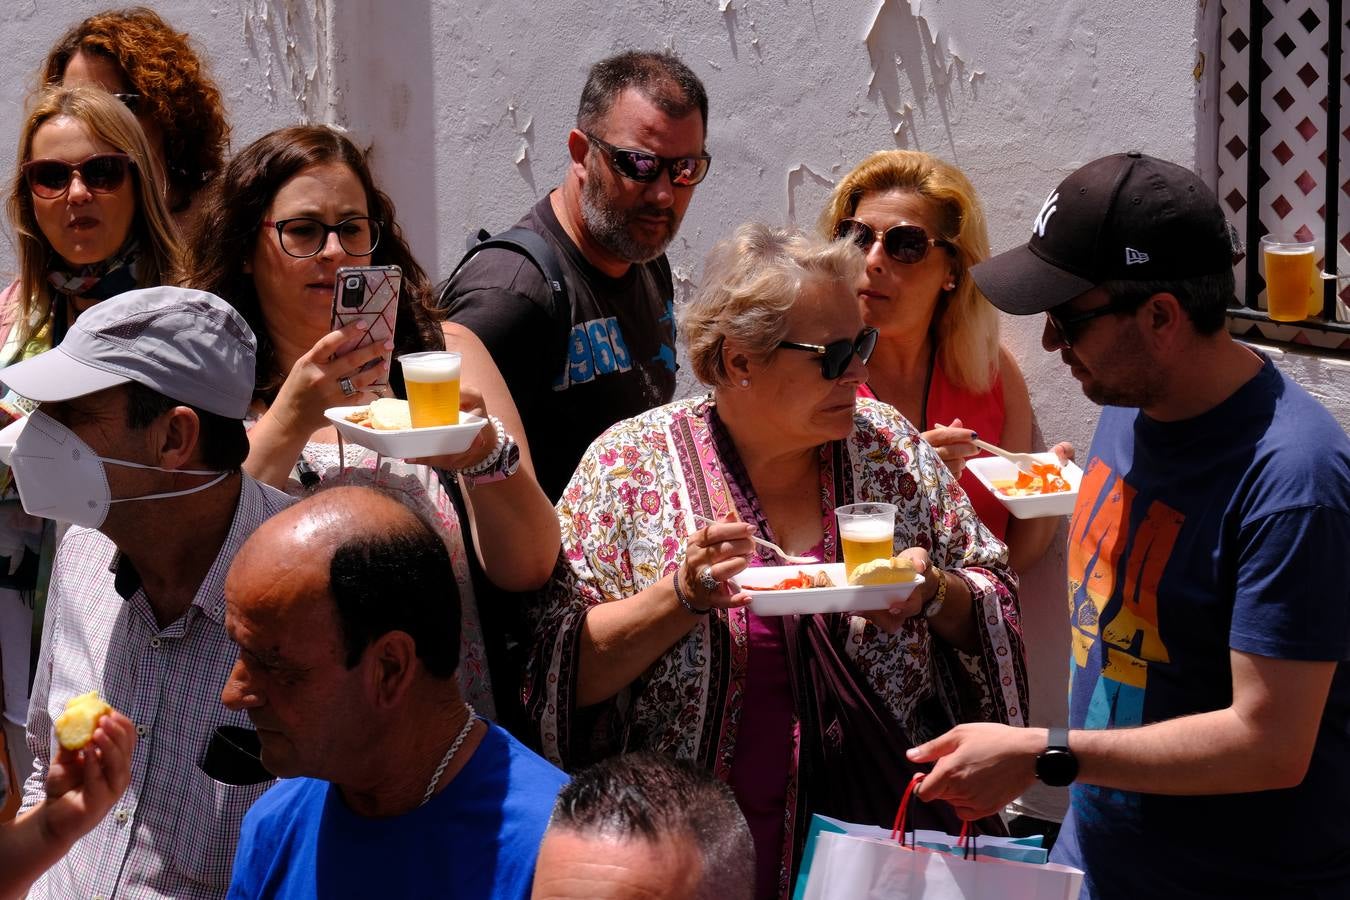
(842,860)
(1023,849)
(847,867)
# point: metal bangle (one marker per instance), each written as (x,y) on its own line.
(684,601)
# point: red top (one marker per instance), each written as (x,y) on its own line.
(981,413)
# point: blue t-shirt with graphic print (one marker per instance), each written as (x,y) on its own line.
(1230,530)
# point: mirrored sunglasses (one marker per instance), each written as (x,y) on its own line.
(644,167)
(836,355)
(101,173)
(906,244)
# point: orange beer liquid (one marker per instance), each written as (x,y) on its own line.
(432,382)
(433,402)
(865,541)
(1289,284)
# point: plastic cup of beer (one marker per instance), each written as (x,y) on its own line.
(1293,283)
(867,531)
(432,382)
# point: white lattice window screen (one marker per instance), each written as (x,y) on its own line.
(1293,140)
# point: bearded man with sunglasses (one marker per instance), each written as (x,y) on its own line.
(636,155)
(1209,584)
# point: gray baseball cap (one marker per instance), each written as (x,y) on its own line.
(188,345)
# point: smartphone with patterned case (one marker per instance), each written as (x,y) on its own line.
(368,294)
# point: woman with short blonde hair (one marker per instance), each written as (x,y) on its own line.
(646,641)
(938,360)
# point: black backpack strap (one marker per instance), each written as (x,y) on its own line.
(537,250)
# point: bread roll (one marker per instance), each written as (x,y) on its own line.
(896,570)
(75,727)
(390,414)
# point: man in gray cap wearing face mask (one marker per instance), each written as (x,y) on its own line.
(137,443)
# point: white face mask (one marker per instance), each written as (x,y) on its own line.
(60,477)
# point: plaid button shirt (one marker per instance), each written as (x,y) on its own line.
(173,833)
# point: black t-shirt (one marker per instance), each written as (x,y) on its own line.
(618,359)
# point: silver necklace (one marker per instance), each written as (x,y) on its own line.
(449,755)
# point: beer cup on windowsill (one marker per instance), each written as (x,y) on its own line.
(1293,284)
(432,382)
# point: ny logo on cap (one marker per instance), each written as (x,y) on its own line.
(1043,217)
(1134,257)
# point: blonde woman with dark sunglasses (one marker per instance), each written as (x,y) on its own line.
(938,358)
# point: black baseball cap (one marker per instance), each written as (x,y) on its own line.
(1125,217)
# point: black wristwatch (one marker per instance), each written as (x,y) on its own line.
(1056,765)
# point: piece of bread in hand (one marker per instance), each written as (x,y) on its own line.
(896,570)
(75,727)
(390,414)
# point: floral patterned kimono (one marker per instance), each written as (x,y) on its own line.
(861,696)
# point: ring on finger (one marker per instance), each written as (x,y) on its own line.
(348,388)
(707,581)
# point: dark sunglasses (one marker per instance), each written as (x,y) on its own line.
(835,356)
(303,237)
(1068,327)
(906,244)
(644,167)
(101,173)
(130,101)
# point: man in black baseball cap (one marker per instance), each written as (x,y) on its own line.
(1208,582)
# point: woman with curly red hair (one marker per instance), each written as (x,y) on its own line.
(135,55)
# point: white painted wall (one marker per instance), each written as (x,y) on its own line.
(467,106)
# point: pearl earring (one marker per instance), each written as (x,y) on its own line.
(745,382)
(951,286)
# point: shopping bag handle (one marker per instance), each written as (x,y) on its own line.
(898,829)
(966,840)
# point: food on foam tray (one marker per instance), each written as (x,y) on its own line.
(75,727)
(802,579)
(384,414)
(895,570)
(1047,479)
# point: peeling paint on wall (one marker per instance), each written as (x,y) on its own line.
(916,66)
(522,157)
(288,39)
(814,187)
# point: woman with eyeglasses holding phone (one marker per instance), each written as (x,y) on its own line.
(287,212)
(89,222)
(646,641)
(137,57)
(938,359)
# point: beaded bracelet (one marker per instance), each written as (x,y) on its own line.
(486,463)
(684,601)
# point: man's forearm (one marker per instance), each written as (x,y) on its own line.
(1207,753)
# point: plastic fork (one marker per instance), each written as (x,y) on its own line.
(1023,461)
(787,557)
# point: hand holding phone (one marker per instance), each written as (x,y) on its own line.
(368,294)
